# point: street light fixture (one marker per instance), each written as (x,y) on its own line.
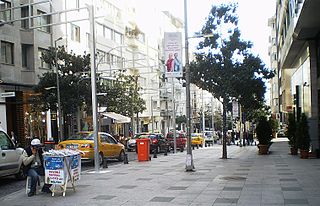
(60,127)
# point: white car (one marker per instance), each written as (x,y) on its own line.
(10,157)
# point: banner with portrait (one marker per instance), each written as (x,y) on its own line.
(173,54)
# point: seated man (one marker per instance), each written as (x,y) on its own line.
(33,160)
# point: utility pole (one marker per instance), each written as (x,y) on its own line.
(189,158)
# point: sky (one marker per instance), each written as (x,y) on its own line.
(253,19)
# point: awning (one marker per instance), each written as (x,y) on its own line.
(117,117)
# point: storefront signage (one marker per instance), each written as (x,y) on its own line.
(8,94)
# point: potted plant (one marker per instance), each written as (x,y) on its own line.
(303,137)
(291,134)
(264,135)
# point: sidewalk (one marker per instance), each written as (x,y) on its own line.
(246,179)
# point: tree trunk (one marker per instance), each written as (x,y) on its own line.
(224,142)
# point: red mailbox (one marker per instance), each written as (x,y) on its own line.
(143,147)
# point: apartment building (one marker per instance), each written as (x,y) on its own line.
(297,26)
(22,43)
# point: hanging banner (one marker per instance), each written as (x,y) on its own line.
(235,109)
(173,54)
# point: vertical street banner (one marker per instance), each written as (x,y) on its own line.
(173,54)
(235,109)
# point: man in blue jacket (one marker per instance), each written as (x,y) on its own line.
(33,160)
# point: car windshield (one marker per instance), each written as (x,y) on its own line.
(208,134)
(194,135)
(170,135)
(82,136)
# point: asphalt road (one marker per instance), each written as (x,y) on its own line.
(10,184)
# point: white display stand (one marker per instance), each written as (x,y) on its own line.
(60,170)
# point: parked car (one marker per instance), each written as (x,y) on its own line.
(108,146)
(158,142)
(132,144)
(11,160)
(181,140)
(209,137)
(197,139)
(281,133)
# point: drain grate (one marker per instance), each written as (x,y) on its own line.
(233,178)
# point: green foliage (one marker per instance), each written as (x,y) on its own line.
(291,131)
(264,131)
(122,95)
(224,64)
(74,86)
(181,119)
(302,133)
(274,124)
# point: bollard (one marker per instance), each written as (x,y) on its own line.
(197,146)
(104,163)
(125,159)
(166,152)
(155,153)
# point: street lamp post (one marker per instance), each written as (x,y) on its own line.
(60,127)
(189,160)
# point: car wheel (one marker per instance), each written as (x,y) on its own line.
(101,159)
(21,175)
(181,149)
(121,156)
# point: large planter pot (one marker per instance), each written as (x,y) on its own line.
(304,154)
(294,151)
(263,149)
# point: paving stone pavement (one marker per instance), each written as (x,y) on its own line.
(245,179)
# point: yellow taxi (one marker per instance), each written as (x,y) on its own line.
(108,147)
(197,139)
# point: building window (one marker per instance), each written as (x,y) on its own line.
(6,52)
(5,13)
(88,40)
(43,64)
(118,37)
(75,32)
(25,13)
(24,55)
(43,20)
(100,30)
(108,33)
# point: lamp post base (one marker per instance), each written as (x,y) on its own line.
(189,163)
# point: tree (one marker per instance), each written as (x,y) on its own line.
(122,96)
(225,66)
(74,86)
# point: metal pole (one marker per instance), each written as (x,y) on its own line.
(189,158)
(152,120)
(93,88)
(212,105)
(174,119)
(60,127)
(203,117)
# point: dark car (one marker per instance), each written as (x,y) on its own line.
(181,140)
(158,142)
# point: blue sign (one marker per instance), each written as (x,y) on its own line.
(53,163)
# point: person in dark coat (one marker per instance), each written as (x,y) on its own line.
(33,160)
